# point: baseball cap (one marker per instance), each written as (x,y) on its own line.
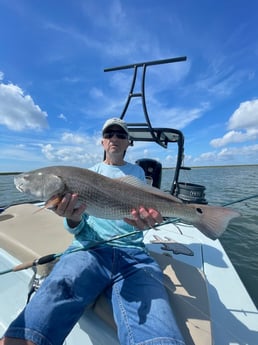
(115,122)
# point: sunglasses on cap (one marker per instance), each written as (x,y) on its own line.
(119,135)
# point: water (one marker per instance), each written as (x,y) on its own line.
(223,185)
(9,194)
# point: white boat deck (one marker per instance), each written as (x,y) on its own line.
(233,314)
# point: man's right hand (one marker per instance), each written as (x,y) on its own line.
(67,208)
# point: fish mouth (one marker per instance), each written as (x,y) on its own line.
(19,187)
(19,184)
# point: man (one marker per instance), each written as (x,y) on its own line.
(121,269)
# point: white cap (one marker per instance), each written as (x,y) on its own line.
(115,122)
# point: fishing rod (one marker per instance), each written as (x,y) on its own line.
(51,257)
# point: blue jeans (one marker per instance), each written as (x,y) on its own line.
(130,278)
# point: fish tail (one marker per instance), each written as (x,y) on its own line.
(212,221)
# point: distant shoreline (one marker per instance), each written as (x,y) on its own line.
(11,173)
(165,168)
(216,166)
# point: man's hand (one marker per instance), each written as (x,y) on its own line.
(67,208)
(144,218)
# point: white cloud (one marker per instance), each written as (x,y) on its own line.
(73,149)
(47,150)
(207,156)
(62,117)
(250,151)
(18,111)
(178,117)
(246,116)
(235,137)
(245,119)
(72,155)
(232,155)
(71,139)
(170,160)
(96,93)
(1,75)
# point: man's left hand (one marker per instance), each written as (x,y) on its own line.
(144,218)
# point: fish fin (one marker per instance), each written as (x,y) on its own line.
(136,182)
(50,204)
(39,209)
(53,202)
(213,220)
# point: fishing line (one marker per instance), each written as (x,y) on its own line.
(240,200)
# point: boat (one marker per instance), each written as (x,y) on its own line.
(211,304)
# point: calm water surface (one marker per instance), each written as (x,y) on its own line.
(223,185)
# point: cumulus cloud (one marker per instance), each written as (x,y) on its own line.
(73,149)
(18,111)
(249,152)
(71,155)
(231,155)
(64,154)
(243,125)
(72,138)
(246,116)
(235,137)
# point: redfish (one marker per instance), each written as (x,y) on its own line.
(115,198)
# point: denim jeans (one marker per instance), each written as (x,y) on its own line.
(130,278)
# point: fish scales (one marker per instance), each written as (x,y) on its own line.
(112,198)
(116,198)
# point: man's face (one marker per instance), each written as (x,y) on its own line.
(115,140)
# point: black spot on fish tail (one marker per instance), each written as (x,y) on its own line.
(212,221)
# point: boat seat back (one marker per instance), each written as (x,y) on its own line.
(152,170)
(27,233)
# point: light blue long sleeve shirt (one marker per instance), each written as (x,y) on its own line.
(92,229)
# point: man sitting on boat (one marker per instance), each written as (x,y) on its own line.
(122,270)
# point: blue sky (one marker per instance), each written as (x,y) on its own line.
(54,95)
